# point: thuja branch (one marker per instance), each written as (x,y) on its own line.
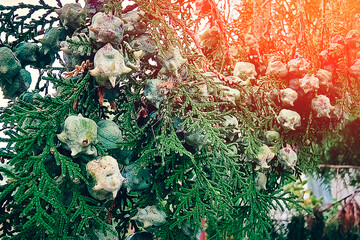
(32,131)
(13,25)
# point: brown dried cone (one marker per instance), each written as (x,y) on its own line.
(349,215)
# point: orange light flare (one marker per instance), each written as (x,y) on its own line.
(204,8)
(216,16)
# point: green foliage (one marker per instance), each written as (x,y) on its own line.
(46,180)
(17,26)
(81,45)
(342,149)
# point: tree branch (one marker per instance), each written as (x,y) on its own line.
(350,195)
(338,166)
